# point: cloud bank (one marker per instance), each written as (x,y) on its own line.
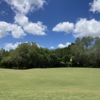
(11,46)
(13,29)
(22,25)
(30,27)
(85,27)
(66,27)
(25,6)
(81,28)
(95,6)
(64,45)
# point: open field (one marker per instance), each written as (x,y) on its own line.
(50,84)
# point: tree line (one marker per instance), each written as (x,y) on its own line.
(85,52)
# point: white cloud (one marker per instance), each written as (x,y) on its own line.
(64,45)
(35,28)
(86,27)
(25,6)
(17,31)
(95,6)
(64,27)
(52,47)
(7,28)
(4,27)
(10,46)
(21,24)
(30,27)
(38,45)
(81,28)
(21,20)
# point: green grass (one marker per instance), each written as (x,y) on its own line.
(50,84)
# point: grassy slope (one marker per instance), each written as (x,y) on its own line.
(50,84)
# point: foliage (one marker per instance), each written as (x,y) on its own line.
(85,52)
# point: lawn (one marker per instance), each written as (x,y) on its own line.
(50,84)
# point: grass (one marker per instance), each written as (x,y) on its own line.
(50,84)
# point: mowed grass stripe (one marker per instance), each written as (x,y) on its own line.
(50,84)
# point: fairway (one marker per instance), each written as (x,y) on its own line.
(50,84)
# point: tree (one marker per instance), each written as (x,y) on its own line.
(85,52)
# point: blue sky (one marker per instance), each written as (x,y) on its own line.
(49,23)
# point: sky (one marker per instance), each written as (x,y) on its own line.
(49,23)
